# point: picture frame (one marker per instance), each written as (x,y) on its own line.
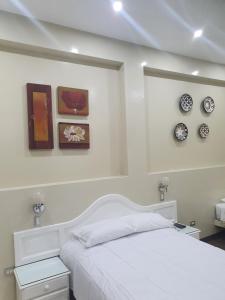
(72,101)
(40,127)
(74,136)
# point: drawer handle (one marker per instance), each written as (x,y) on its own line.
(46,288)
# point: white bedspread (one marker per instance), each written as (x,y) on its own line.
(158,265)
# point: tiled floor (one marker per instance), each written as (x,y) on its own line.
(217,240)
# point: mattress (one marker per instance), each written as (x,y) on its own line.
(156,265)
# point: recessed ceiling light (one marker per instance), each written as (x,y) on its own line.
(198,33)
(75,50)
(117,6)
(195,73)
(144,63)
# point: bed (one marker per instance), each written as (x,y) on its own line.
(161,264)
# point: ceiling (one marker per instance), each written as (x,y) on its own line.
(163,24)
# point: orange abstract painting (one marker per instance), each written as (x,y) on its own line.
(39,116)
(40,110)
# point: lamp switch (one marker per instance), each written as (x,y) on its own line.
(193,223)
(9,271)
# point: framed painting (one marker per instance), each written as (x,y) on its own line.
(74,136)
(72,101)
(40,128)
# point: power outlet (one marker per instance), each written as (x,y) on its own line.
(193,223)
(9,271)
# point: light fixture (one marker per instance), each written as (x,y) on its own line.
(198,33)
(144,64)
(117,6)
(38,208)
(195,73)
(163,187)
(75,50)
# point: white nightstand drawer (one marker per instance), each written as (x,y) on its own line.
(195,234)
(46,287)
(60,295)
(191,231)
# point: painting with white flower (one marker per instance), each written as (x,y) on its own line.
(74,136)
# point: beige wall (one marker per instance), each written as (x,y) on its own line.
(162,96)
(23,167)
(196,190)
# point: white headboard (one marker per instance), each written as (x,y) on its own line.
(44,242)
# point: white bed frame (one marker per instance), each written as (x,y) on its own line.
(45,242)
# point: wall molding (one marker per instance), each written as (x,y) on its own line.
(58,55)
(186,170)
(58,183)
(122,177)
(182,77)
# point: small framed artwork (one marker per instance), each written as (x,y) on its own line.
(72,101)
(74,136)
(39,103)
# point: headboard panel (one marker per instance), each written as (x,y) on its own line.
(44,242)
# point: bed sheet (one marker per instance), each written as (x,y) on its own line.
(156,265)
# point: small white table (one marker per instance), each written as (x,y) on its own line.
(43,280)
(219,223)
(192,231)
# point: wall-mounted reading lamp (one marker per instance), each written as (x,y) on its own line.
(163,187)
(38,208)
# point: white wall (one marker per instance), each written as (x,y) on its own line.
(196,190)
(162,96)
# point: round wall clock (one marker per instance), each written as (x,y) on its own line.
(208,104)
(181,132)
(186,102)
(203,130)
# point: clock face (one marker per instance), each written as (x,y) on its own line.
(181,132)
(203,130)
(186,102)
(208,104)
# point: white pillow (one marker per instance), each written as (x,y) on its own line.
(104,231)
(147,221)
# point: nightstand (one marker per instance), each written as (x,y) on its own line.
(43,280)
(192,231)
